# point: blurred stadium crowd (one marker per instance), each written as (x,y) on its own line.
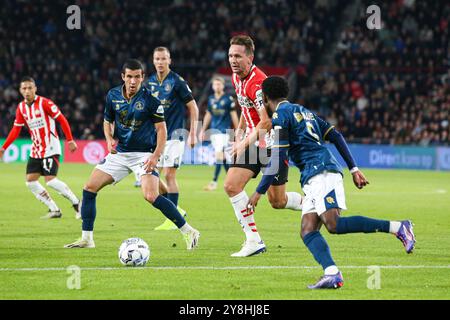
(389,86)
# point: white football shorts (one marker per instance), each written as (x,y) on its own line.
(322,192)
(120,165)
(172,154)
(220,141)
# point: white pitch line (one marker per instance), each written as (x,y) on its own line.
(219,268)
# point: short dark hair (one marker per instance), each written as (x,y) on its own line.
(27,79)
(275,88)
(133,64)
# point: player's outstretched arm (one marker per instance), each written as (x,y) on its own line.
(67,132)
(277,158)
(13,134)
(261,129)
(161,139)
(108,129)
(338,140)
(205,126)
(193,114)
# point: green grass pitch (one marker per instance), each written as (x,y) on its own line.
(33,261)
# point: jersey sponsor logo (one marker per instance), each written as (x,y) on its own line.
(36,123)
(245,102)
(308,116)
(298,116)
(139,106)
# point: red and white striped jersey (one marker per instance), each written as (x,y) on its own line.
(249,96)
(40,120)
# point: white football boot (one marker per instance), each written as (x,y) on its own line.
(250,248)
(191,239)
(81,243)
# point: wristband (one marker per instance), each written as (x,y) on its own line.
(354,169)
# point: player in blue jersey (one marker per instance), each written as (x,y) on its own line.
(302,134)
(221,115)
(138,119)
(176,97)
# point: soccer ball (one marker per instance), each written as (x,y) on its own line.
(134,252)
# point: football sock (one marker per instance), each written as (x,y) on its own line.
(294,201)
(63,190)
(164,195)
(394,226)
(186,228)
(331,270)
(217,172)
(360,224)
(169,210)
(87,235)
(42,195)
(173,197)
(319,249)
(246,219)
(88,210)
(226,165)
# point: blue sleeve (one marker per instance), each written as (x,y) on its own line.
(338,140)
(156,110)
(278,158)
(232,104)
(109,114)
(183,90)
(324,126)
(209,108)
(280,133)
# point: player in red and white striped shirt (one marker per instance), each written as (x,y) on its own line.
(40,115)
(247,80)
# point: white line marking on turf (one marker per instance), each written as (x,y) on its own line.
(218,268)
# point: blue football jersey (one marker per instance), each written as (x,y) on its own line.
(134,120)
(220,112)
(303,132)
(174,93)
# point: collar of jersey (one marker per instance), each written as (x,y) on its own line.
(129,101)
(280,103)
(160,82)
(35,98)
(250,72)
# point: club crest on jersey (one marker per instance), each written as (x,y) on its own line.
(117,107)
(330,200)
(168,87)
(160,109)
(139,106)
